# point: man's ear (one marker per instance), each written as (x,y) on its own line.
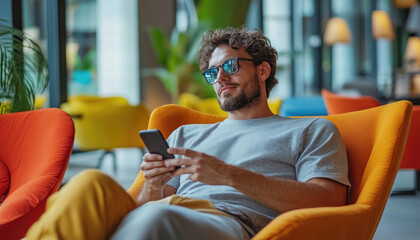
(265,70)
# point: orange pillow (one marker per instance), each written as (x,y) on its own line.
(4,179)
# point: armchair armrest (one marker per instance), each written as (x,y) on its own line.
(321,223)
(135,188)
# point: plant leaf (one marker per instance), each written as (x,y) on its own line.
(195,33)
(167,78)
(223,13)
(23,69)
(160,44)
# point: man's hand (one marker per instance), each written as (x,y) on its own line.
(155,171)
(202,167)
(156,174)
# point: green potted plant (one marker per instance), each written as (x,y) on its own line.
(179,72)
(23,70)
(222,13)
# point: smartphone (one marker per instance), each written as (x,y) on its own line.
(155,143)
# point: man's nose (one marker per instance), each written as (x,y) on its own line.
(222,75)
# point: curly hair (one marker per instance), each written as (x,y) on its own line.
(254,43)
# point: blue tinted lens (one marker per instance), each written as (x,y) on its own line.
(210,75)
(231,66)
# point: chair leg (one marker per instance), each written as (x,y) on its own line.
(101,160)
(114,159)
(405,192)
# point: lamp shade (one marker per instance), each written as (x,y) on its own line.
(412,52)
(337,31)
(404,3)
(381,25)
(413,20)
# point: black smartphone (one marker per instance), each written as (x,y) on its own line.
(155,143)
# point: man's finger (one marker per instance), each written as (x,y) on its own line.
(184,151)
(156,172)
(153,164)
(181,171)
(178,162)
(152,157)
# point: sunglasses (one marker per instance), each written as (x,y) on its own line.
(230,66)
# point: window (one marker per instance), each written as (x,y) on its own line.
(34,24)
(277,27)
(102,48)
(81,51)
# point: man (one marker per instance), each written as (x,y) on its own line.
(236,176)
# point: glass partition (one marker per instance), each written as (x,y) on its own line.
(81,31)
(34,24)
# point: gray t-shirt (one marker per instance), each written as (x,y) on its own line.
(279,147)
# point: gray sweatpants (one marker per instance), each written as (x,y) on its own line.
(162,221)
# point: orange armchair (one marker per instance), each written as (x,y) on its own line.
(35,148)
(375,140)
(336,104)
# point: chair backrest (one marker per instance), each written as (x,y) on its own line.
(303,106)
(336,103)
(35,146)
(412,149)
(94,98)
(340,104)
(167,118)
(374,139)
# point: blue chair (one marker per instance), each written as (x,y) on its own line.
(303,106)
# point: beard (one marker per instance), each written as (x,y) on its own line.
(250,93)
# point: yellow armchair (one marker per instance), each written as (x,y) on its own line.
(211,105)
(274,104)
(375,141)
(106,123)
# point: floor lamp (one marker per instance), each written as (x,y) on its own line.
(412,54)
(382,29)
(381,25)
(336,31)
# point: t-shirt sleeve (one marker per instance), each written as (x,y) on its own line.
(322,153)
(174,182)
